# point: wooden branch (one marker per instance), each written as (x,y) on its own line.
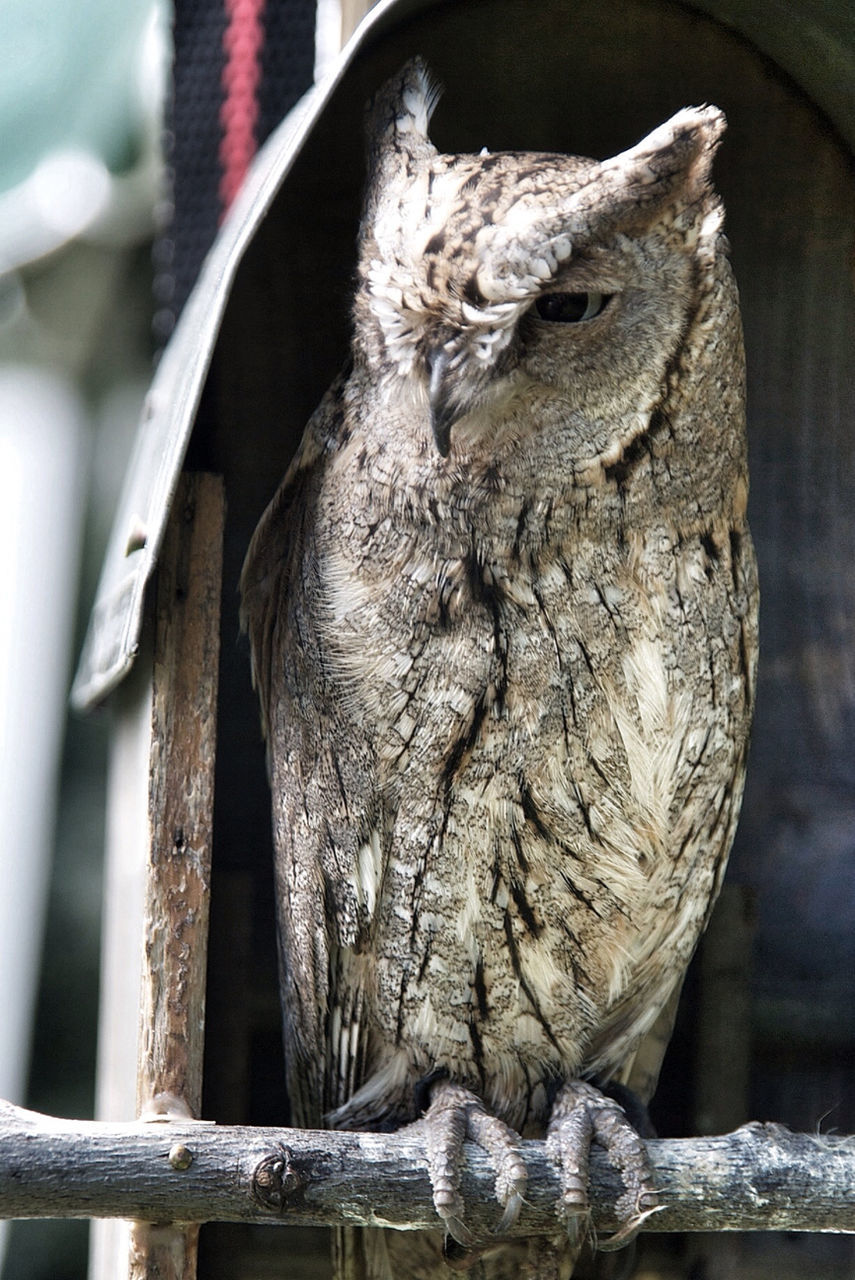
(760,1178)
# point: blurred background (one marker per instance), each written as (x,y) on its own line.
(90,286)
(81,98)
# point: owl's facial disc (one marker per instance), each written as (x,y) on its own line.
(459,379)
(571,308)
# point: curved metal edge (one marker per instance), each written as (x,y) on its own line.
(112,638)
(812,42)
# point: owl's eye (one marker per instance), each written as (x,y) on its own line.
(570,308)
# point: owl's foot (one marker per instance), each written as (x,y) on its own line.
(581,1115)
(454,1115)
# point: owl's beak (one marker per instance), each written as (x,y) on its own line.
(443,414)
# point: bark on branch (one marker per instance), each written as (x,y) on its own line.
(759,1178)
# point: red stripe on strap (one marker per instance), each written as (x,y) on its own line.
(242,41)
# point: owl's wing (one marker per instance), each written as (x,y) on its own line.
(640,1070)
(326,810)
(271,561)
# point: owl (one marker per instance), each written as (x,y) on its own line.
(503,620)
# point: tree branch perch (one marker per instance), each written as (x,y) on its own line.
(759,1178)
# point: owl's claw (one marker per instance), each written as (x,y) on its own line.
(453,1116)
(580,1116)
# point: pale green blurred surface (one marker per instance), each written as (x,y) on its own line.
(83,78)
(67,78)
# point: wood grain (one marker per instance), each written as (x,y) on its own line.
(760,1178)
(181,804)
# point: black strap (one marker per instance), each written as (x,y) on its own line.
(226,52)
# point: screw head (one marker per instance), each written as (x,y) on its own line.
(180,1157)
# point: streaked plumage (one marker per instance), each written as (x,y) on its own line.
(503,622)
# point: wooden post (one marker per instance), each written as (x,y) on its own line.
(178,871)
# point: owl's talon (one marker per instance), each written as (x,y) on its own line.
(627,1233)
(454,1116)
(458,1231)
(581,1115)
(512,1212)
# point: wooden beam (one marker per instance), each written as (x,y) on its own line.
(178,871)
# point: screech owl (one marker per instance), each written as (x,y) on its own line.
(503,620)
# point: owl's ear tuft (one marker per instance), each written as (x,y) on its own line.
(675,157)
(397,135)
(691,139)
(399,113)
(420,93)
